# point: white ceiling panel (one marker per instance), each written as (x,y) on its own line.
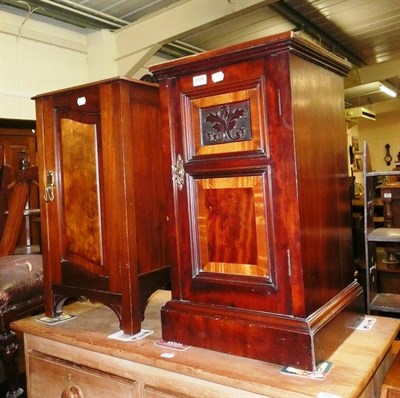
(366,32)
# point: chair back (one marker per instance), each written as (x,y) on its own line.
(5,179)
(16,208)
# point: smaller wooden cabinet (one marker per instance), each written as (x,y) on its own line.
(102,191)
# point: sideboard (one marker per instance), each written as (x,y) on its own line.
(77,358)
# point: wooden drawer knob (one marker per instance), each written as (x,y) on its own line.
(73,392)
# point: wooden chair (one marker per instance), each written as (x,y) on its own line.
(5,179)
(21,279)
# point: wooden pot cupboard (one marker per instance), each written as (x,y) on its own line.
(102,196)
(259,203)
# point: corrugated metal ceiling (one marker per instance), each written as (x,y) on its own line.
(367,32)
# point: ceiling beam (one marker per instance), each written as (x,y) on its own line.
(378,72)
(313,30)
(136,42)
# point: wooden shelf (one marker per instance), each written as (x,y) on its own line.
(382,173)
(381,277)
(386,302)
(385,235)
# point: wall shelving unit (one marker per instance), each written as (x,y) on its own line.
(387,236)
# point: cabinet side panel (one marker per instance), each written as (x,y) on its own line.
(148,179)
(320,152)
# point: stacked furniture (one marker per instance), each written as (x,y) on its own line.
(259,207)
(103,199)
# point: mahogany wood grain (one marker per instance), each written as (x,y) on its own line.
(103,233)
(260,230)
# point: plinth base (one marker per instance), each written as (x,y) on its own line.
(281,339)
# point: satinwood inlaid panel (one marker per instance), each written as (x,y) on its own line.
(232,222)
(228,185)
(225,122)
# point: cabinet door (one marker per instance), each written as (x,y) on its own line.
(75,216)
(226,173)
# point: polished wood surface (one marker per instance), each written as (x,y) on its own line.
(259,216)
(359,364)
(25,179)
(390,196)
(18,149)
(103,232)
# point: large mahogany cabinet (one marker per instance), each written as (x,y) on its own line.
(259,205)
(102,196)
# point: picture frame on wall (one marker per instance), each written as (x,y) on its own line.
(357,164)
(355,144)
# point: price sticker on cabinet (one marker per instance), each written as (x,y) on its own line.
(217,77)
(199,80)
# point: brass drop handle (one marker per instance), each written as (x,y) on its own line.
(178,172)
(73,392)
(49,189)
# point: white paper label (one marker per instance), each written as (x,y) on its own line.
(217,77)
(387,195)
(199,80)
(327,395)
(81,101)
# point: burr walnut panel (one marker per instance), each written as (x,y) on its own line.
(82,238)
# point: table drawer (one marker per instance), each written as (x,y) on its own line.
(51,377)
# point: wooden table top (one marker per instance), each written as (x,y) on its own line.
(354,363)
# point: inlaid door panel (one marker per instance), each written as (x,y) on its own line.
(225,123)
(225,180)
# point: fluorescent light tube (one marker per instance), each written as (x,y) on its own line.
(387,91)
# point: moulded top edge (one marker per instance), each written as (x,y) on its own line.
(93,84)
(287,41)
